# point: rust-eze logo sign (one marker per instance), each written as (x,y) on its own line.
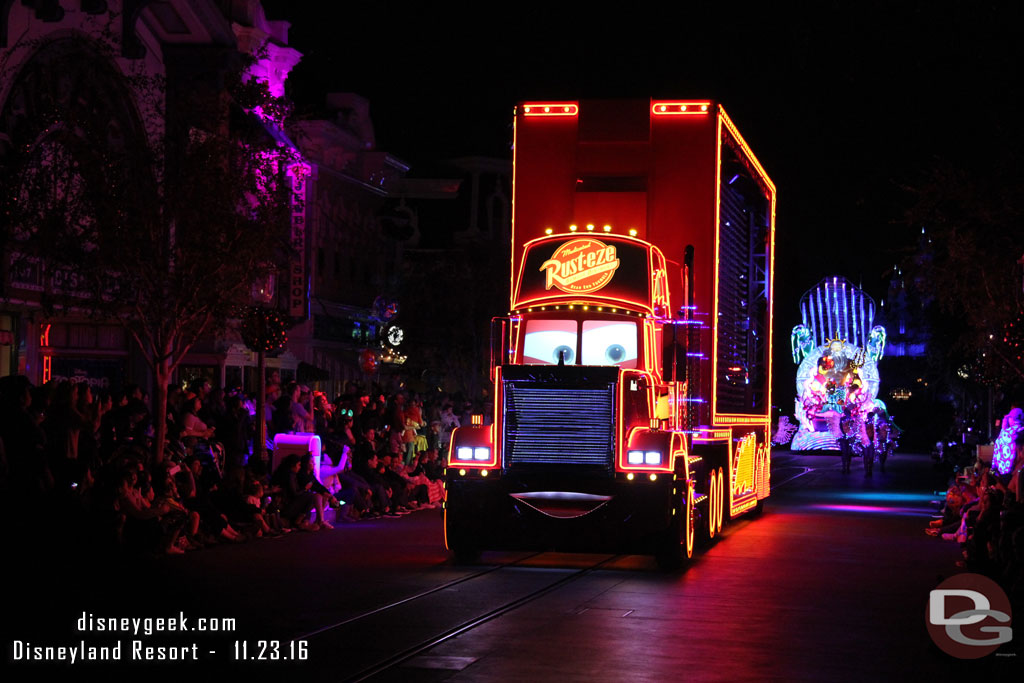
(968,616)
(580,266)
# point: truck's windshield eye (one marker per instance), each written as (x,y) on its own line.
(545,339)
(608,342)
(564,354)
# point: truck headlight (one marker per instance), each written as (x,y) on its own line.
(463,453)
(652,458)
(635,457)
(481,453)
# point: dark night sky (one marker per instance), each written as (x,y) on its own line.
(842,102)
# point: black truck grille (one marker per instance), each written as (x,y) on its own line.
(557,425)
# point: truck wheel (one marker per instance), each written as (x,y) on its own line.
(714,505)
(720,508)
(465,554)
(676,546)
(460,541)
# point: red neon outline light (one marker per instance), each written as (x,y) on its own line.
(697,108)
(512,288)
(550,109)
(739,418)
(47,358)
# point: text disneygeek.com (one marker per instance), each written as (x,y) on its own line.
(103,630)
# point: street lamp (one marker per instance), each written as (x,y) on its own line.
(263,290)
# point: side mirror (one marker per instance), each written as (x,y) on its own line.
(501,347)
(673,352)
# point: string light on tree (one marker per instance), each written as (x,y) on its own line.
(263,329)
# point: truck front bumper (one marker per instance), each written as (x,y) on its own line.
(515,511)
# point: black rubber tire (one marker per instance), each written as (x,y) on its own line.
(465,554)
(669,554)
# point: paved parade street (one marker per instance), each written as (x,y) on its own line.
(830,583)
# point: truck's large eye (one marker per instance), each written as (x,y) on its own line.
(564,354)
(609,343)
(546,339)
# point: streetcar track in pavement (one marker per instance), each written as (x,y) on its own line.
(417,596)
(421,645)
(470,624)
(806,470)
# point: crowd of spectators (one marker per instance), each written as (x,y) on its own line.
(86,461)
(984,513)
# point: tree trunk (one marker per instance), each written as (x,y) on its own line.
(162,377)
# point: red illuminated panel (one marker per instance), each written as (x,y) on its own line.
(680,108)
(551,109)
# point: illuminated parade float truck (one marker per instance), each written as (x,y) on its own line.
(836,347)
(632,375)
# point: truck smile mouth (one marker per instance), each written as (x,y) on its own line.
(562,504)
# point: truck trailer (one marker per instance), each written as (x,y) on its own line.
(632,374)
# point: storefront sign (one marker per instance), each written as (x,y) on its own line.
(98,373)
(30,273)
(297,288)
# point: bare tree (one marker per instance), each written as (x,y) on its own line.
(162,227)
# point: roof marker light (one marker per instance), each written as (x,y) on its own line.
(572,228)
(590,226)
(550,109)
(548,231)
(679,108)
(632,232)
(607,228)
